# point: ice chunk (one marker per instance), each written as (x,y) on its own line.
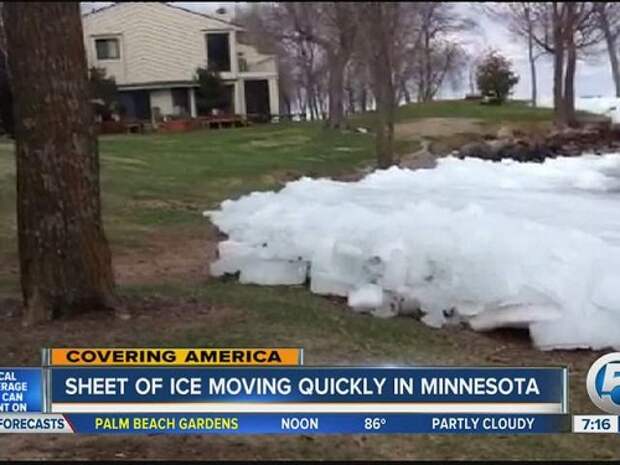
(274,272)
(233,256)
(395,270)
(519,316)
(493,244)
(326,284)
(408,303)
(607,291)
(369,296)
(348,261)
(434,319)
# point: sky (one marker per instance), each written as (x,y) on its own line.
(593,77)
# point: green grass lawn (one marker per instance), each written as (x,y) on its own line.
(154,183)
(512,111)
(171,178)
(151,181)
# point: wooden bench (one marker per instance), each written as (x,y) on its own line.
(219,122)
(134,127)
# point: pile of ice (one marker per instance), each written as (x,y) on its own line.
(608,106)
(494,244)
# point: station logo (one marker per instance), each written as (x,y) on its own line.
(603,383)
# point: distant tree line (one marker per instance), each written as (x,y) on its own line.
(338,58)
(566,32)
(344,57)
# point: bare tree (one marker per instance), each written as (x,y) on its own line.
(474,59)
(445,61)
(520,19)
(64,257)
(275,28)
(320,38)
(358,84)
(328,25)
(608,16)
(386,36)
(257,32)
(337,36)
(439,54)
(566,30)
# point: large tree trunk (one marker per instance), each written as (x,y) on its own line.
(337,65)
(363,99)
(385,129)
(301,103)
(532,60)
(351,98)
(382,17)
(569,84)
(427,69)
(559,107)
(287,104)
(571,64)
(310,99)
(610,41)
(405,92)
(64,256)
(384,97)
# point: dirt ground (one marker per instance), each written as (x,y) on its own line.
(440,127)
(168,256)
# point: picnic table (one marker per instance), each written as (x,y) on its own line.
(219,122)
(134,127)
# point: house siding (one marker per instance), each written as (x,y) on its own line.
(161,46)
(158,42)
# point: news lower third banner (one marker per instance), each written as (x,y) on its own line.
(253,391)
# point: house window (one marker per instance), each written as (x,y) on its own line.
(108,49)
(218,51)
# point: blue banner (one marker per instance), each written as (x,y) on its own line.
(253,423)
(308,384)
(20,390)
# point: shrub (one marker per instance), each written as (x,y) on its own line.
(211,93)
(104,93)
(495,77)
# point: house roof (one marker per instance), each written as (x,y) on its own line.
(170,5)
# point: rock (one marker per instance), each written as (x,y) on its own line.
(497,145)
(476,150)
(422,158)
(523,151)
(566,142)
(505,133)
(596,127)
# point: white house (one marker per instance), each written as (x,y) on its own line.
(153,51)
